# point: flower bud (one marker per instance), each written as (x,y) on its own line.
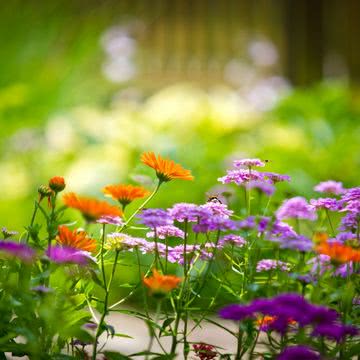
(57,183)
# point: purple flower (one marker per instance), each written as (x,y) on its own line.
(352,194)
(215,223)
(297,208)
(322,263)
(248,223)
(298,352)
(7,233)
(233,240)
(275,178)
(154,218)
(64,255)
(163,232)
(343,237)
(270,264)
(266,187)
(263,223)
(335,331)
(349,222)
(111,220)
(240,176)
(325,203)
(248,163)
(330,187)
(236,312)
(217,209)
(21,251)
(189,212)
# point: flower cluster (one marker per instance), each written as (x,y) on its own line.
(296,208)
(323,321)
(270,264)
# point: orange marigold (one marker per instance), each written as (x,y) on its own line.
(265,321)
(57,183)
(91,209)
(125,194)
(166,169)
(161,284)
(75,239)
(338,252)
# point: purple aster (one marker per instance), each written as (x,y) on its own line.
(298,242)
(215,223)
(275,178)
(8,233)
(189,212)
(270,264)
(163,232)
(263,223)
(111,220)
(64,255)
(176,254)
(297,208)
(154,218)
(322,263)
(248,163)
(282,229)
(325,203)
(233,240)
(264,186)
(352,194)
(248,223)
(343,237)
(236,312)
(217,209)
(349,222)
(298,352)
(330,187)
(21,251)
(240,176)
(336,332)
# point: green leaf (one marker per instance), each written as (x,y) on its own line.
(110,355)
(123,336)
(165,324)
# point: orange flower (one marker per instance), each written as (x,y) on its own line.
(91,209)
(57,183)
(320,237)
(265,321)
(339,253)
(75,239)
(161,284)
(166,169)
(125,194)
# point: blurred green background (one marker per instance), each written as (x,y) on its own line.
(86,86)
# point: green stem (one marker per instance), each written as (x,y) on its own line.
(104,313)
(102,255)
(239,344)
(141,206)
(330,223)
(32,221)
(152,334)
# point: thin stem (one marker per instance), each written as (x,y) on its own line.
(239,344)
(141,206)
(330,223)
(106,299)
(32,221)
(152,334)
(102,255)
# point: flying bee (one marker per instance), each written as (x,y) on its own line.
(214,199)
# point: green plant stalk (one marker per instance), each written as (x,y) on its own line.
(239,344)
(152,332)
(141,206)
(330,223)
(106,299)
(52,218)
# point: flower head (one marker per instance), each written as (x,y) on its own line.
(110,220)
(21,251)
(232,239)
(330,187)
(166,169)
(204,351)
(165,231)
(270,264)
(154,218)
(338,252)
(45,192)
(64,255)
(119,241)
(161,284)
(125,194)
(188,212)
(298,352)
(91,209)
(325,203)
(249,163)
(57,184)
(75,239)
(296,207)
